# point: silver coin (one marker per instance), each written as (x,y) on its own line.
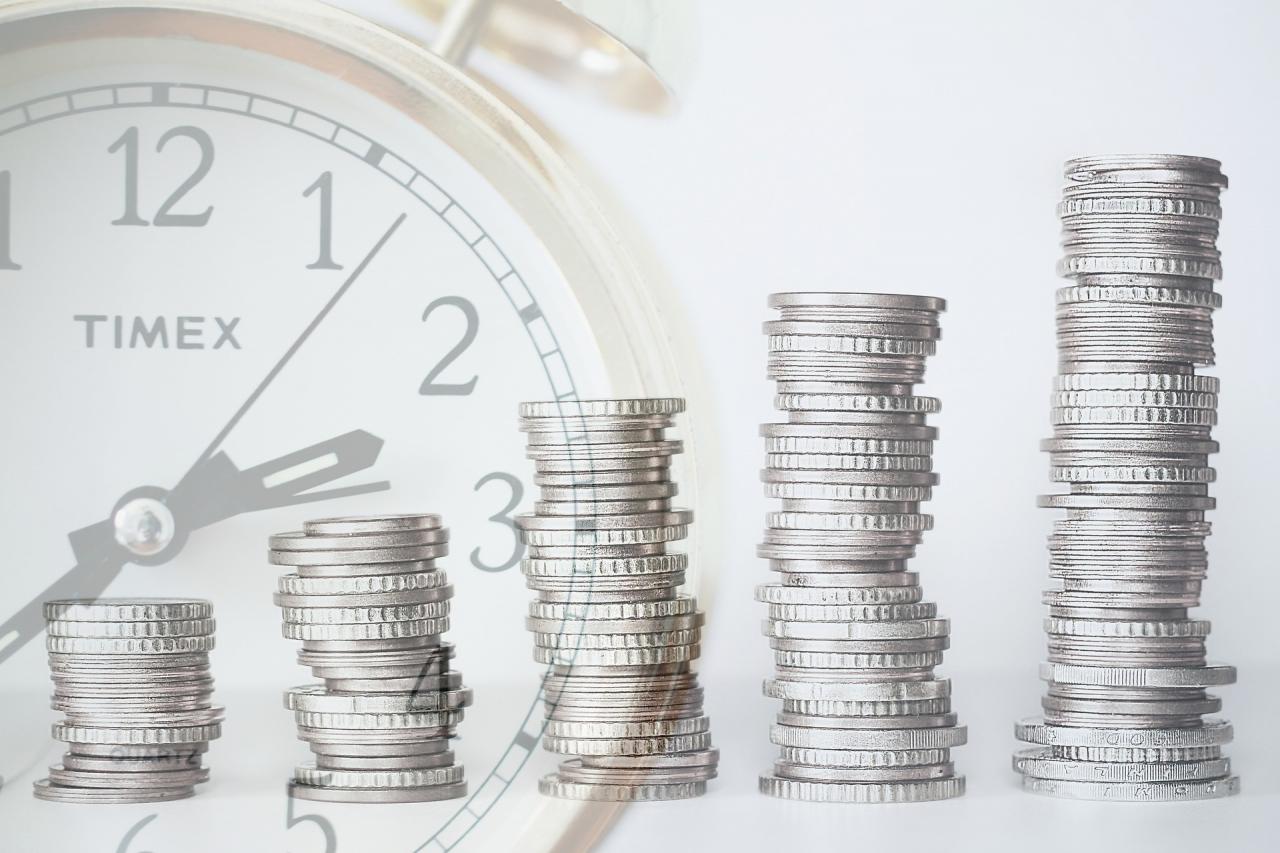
(628,746)
(910,773)
(358,541)
(1213,732)
(127,609)
(866,792)
(1134,791)
(163,780)
(371,524)
(384,762)
(381,780)
(807,737)
(366,556)
(1041,764)
(432,793)
(319,699)
(71,761)
(551,785)
(575,772)
(45,790)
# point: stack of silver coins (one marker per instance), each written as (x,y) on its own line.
(131,677)
(864,719)
(370,605)
(1127,672)
(609,621)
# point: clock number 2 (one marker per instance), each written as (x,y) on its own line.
(503,517)
(164,218)
(432,388)
(6,219)
(290,821)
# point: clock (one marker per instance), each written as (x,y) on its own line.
(261,262)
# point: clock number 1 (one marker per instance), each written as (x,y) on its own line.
(6,230)
(324,184)
(164,217)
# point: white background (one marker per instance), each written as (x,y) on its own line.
(917,147)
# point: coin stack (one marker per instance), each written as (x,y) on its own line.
(132,678)
(616,635)
(864,719)
(369,605)
(1127,673)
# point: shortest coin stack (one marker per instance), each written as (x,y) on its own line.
(618,638)
(369,606)
(131,677)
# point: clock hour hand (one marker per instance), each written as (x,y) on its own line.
(150,525)
(216,489)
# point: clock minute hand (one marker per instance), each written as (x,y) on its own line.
(101,561)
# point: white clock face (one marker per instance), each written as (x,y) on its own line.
(210,254)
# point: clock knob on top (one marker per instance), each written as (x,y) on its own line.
(635,54)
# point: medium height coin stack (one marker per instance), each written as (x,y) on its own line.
(369,605)
(864,719)
(1127,674)
(609,622)
(132,678)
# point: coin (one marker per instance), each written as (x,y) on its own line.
(608,617)
(370,606)
(1126,669)
(131,677)
(866,792)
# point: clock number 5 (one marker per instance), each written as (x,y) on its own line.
(432,388)
(290,821)
(503,517)
(164,217)
(6,219)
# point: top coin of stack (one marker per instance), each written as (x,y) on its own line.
(609,622)
(369,606)
(864,719)
(132,678)
(1127,673)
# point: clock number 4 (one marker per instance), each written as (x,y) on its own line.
(430,387)
(6,220)
(130,145)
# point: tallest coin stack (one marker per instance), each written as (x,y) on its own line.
(1127,674)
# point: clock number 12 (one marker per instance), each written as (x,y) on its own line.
(6,219)
(165,217)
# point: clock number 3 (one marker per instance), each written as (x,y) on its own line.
(164,218)
(503,517)
(432,388)
(6,218)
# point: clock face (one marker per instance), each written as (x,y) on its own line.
(244,281)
